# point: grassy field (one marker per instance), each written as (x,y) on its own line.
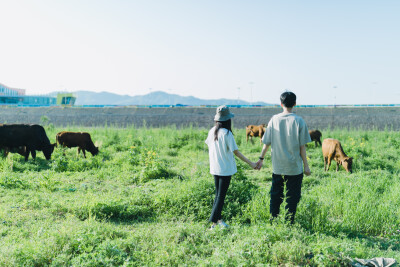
(145,201)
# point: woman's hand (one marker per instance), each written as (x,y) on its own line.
(253,165)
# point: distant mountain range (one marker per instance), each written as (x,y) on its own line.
(153,98)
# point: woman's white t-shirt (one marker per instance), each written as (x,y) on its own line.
(222,160)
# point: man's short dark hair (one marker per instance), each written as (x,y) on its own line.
(288,99)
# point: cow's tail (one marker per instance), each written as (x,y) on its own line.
(57,140)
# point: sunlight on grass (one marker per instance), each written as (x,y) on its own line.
(146,197)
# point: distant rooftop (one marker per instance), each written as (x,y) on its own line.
(5,90)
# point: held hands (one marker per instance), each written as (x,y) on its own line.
(253,165)
(259,164)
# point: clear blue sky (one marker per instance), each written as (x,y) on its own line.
(327,52)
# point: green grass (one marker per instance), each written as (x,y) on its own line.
(145,201)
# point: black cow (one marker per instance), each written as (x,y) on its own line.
(315,136)
(32,136)
(20,150)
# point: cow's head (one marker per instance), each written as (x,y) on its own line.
(95,151)
(48,150)
(347,164)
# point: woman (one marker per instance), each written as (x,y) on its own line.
(222,147)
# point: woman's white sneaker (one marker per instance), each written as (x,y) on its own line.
(223,224)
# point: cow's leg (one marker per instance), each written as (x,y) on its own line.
(28,150)
(337,165)
(6,151)
(84,153)
(325,161)
(329,163)
(247,138)
(79,150)
(33,153)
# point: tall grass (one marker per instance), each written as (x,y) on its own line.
(146,197)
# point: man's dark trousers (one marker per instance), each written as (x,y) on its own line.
(293,187)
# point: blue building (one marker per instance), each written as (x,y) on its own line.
(13,96)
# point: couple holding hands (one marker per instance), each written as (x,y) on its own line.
(286,134)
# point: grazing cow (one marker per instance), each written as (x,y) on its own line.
(20,150)
(315,136)
(254,131)
(332,149)
(81,140)
(31,136)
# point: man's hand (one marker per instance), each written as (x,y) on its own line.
(307,171)
(259,164)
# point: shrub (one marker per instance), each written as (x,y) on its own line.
(147,165)
(195,138)
(11,180)
(62,163)
(179,142)
(193,199)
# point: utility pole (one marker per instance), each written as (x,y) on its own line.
(170,98)
(334,90)
(251,92)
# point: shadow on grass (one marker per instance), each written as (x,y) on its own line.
(377,242)
(20,165)
(116,213)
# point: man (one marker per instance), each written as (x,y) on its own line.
(287,134)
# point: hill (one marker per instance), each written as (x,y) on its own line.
(153,98)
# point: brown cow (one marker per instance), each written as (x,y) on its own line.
(315,136)
(254,131)
(82,140)
(332,149)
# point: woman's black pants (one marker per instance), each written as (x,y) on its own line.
(221,187)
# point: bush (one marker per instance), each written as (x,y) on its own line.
(63,163)
(147,165)
(193,199)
